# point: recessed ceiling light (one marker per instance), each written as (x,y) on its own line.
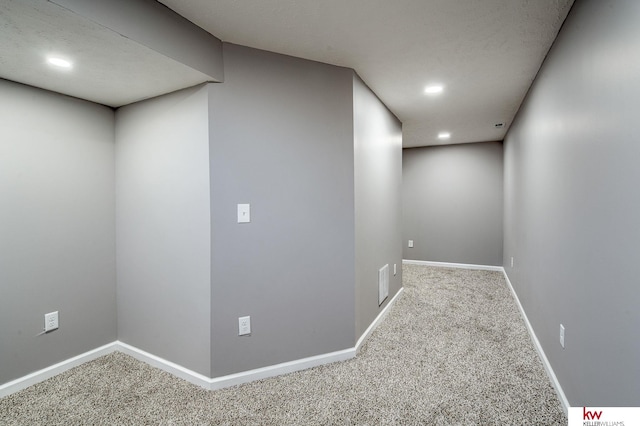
(434,89)
(444,135)
(58,62)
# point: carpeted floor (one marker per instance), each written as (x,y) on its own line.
(453,350)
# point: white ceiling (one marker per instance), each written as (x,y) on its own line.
(485,52)
(108,68)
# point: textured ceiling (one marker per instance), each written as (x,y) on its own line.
(486,52)
(108,68)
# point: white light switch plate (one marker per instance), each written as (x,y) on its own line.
(244,213)
(410,243)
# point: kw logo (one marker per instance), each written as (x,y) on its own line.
(590,415)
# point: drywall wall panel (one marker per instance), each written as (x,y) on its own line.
(281,141)
(572,204)
(157,27)
(57,228)
(378,191)
(452,203)
(163,228)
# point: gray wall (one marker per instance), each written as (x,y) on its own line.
(572,204)
(160,203)
(452,203)
(57,228)
(378,188)
(281,140)
(163,228)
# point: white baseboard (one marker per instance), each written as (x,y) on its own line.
(163,364)
(381,316)
(547,366)
(46,373)
(258,373)
(190,375)
(453,265)
(543,357)
(237,378)
(269,371)
(175,369)
(280,369)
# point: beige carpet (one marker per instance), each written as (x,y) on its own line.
(453,350)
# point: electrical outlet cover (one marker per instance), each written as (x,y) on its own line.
(244,326)
(51,321)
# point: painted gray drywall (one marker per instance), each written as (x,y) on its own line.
(452,203)
(154,25)
(378,191)
(57,228)
(163,228)
(572,204)
(281,140)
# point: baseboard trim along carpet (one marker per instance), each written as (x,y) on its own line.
(453,265)
(543,357)
(547,366)
(163,364)
(192,376)
(237,378)
(381,316)
(175,369)
(280,369)
(46,373)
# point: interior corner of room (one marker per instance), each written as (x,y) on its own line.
(120,208)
